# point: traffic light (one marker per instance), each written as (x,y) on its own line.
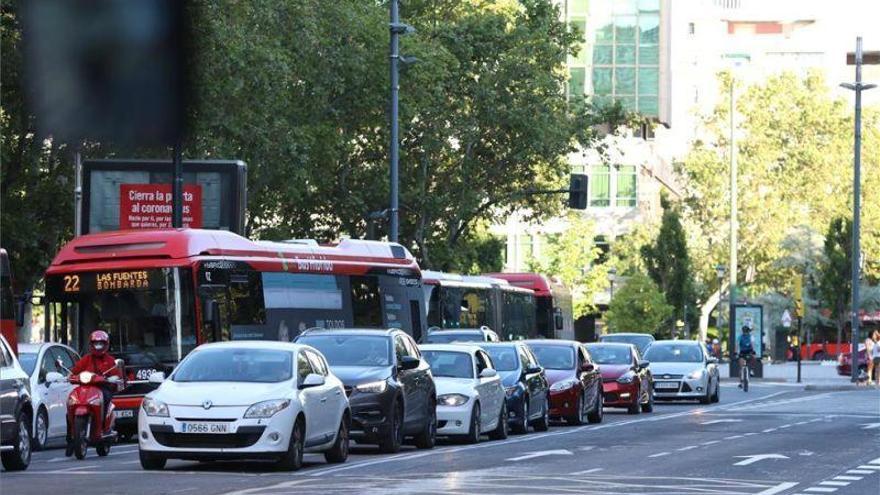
(577,192)
(798,308)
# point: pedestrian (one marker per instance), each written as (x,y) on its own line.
(875,357)
(869,348)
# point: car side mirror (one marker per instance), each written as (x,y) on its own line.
(558,321)
(488,373)
(312,380)
(534,369)
(644,364)
(54,377)
(156,377)
(120,364)
(408,363)
(588,367)
(712,360)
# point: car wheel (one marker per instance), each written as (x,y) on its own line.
(19,457)
(41,430)
(636,406)
(391,443)
(707,398)
(596,415)
(339,451)
(716,396)
(522,426)
(543,423)
(293,458)
(578,418)
(500,432)
(428,436)
(151,462)
(474,432)
(649,406)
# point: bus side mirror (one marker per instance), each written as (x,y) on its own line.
(558,321)
(212,311)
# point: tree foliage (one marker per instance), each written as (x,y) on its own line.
(639,306)
(835,279)
(571,256)
(668,263)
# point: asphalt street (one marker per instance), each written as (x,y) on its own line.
(775,439)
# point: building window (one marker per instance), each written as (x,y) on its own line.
(626,186)
(626,54)
(600,186)
(576,82)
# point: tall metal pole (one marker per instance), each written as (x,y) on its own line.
(177,188)
(77,194)
(858,87)
(731,344)
(395,89)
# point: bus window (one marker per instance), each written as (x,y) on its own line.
(246,298)
(365,304)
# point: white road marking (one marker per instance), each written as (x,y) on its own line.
(773,490)
(848,478)
(835,483)
(801,423)
(659,454)
(715,421)
(869,466)
(875,461)
(820,489)
(784,426)
(870,426)
(859,471)
(749,434)
(751,459)
(88,466)
(689,447)
(711,442)
(540,453)
(733,437)
(588,471)
(768,430)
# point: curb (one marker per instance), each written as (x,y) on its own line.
(834,388)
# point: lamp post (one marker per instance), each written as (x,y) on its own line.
(720,270)
(856,87)
(612,272)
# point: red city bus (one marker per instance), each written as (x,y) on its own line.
(160,293)
(8,311)
(467,301)
(553,306)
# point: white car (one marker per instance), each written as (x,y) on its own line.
(49,399)
(245,400)
(470,397)
(683,370)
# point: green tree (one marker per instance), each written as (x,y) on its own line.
(835,278)
(639,306)
(571,256)
(668,263)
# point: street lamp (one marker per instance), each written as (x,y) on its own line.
(612,272)
(679,325)
(720,271)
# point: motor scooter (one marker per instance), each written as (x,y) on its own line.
(85,426)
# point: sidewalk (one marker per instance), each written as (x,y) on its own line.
(815,375)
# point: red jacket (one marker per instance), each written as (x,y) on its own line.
(98,365)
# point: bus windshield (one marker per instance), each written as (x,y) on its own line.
(137,308)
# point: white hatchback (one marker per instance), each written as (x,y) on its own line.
(245,400)
(470,397)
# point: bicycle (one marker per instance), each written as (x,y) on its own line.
(745,370)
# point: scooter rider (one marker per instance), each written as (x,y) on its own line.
(100,362)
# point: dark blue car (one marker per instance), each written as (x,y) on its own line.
(524,383)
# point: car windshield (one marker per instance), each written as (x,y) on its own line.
(642,342)
(28,361)
(236,364)
(674,353)
(610,354)
(351,350)
(504,357)
(450,364)
(447,337)
(554,357)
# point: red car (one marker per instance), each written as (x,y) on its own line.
(626,378)
(844,362)
(575,382)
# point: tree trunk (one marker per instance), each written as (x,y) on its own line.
(706,311)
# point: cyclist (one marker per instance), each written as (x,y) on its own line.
(746,350)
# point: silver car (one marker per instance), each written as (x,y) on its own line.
(683,370)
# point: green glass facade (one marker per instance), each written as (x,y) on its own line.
(619,54)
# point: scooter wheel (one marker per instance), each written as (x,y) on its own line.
(80,436)
(103,449)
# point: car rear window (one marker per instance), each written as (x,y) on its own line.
(554,357)
(450,363)
(351,350)
(448,337)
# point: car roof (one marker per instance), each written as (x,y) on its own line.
(468,348)
(676,342)
(506,343)
(36,348)
(460,330)
(558,342)
(626,334)
(351,331)
(255,344)
(609,344)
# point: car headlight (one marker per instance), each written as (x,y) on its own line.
(155,407)
(511,390)
(267,408)
(376,387)
(86,377)
(627,377)
(696,374)
(452,399)
(563,385)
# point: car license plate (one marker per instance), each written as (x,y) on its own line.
(666,385)
(215,428)
(124,413)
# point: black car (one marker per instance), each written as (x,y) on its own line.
(15,412)
(528,398)
(389,386)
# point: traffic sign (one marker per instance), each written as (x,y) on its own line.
(786,319)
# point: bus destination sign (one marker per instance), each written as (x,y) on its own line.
(111,281)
